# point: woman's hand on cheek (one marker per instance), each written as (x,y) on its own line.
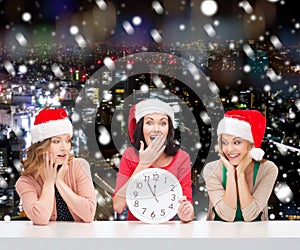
(63,169)
(245,162)
(229,167)
(50,168)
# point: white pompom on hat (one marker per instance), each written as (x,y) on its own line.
(247,124)
(49,123)
(151,106)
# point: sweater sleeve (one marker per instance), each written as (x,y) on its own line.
(128,163)
(39,212)
(185,175)
(263,187)
(213,179)
(86,203)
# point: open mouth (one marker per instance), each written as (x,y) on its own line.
(61,156)
(233,157)
(152,137)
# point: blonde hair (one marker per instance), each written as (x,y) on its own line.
(34,162)
(220,150)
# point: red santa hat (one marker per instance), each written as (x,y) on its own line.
(131,123)
(247,124)
(146,107)
(49,123)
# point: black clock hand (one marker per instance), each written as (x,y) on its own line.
(154,189)
(152,193)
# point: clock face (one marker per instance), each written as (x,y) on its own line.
(152,195)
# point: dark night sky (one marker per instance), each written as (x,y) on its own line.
(10,10)
(278,17)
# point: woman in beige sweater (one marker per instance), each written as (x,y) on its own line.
(240,183)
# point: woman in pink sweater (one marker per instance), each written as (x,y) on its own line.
(240,183)
(54,186)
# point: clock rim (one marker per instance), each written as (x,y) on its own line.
(148,219)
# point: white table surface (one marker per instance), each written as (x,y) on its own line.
(138,235)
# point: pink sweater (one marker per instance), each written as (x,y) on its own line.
(78,178)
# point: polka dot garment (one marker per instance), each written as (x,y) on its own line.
(63,212)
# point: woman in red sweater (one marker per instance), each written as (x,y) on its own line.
(151,130)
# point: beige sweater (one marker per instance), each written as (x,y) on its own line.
(261,192)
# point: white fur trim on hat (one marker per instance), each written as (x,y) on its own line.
(49,129)
(232,126)
(151,106)
(246,124)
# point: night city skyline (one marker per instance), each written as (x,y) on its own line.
(247,52)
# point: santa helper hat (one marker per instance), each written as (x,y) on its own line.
(247,124)
(49,123)
(146,107)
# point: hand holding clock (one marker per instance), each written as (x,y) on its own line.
(185,211)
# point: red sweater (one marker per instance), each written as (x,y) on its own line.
(180,166)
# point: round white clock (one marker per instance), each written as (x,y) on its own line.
(152,195)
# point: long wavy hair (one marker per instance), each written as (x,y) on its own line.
(171,146)
(34,162)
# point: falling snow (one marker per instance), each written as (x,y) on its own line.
(219,56)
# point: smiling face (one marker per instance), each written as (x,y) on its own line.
(234,148)
(60,147)
(155,124)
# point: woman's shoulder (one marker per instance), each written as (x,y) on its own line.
(79,161)
(211,168)
(212,163)
(129,150)
(130,154)
(81,165)
(27,180)
(182,153)
(180,158)
(268,165)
